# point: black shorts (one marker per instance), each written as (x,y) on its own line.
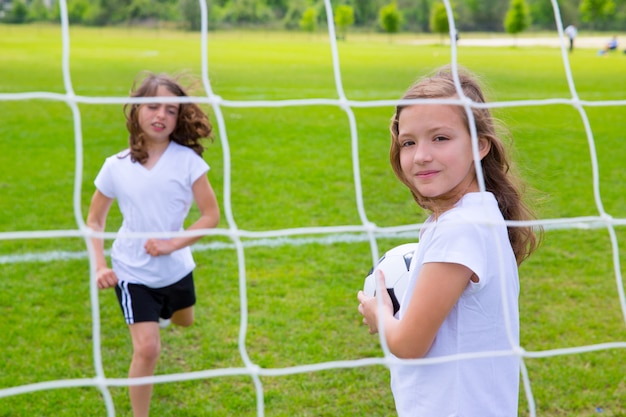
(140,303)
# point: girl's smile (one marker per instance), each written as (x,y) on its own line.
(426,174)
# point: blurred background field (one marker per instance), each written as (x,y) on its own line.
(292,167)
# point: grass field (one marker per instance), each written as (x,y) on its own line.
(291,167)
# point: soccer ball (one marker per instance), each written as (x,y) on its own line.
(395,265)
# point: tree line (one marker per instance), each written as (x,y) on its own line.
(309,15)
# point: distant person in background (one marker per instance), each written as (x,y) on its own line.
(571,33)
(610,46)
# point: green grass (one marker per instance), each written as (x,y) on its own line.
(291,167)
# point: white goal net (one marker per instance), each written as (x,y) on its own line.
(366,231)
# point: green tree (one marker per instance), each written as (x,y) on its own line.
(113,11)
(486,15)
(439,19)
(189,11)
(344,18)
(76,10)
(517,18)
(542,14)
(294,13)
(596,12)
(142,10)
(247,11)
(390,18)
(18,13)
(190,14)
(308,22)
(95,16)
(37,12)
(423,14)
(279,7)
(364,11)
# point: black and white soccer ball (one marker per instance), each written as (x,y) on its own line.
(395,265)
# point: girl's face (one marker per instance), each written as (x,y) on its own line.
(436,152)
(158,120)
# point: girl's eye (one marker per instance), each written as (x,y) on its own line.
(407,143)
(439,138)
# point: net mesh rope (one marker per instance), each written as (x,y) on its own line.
(372,231)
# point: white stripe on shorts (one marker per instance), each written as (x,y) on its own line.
(127,303)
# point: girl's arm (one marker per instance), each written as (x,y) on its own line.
(206,201)
(96,220)
(438,288)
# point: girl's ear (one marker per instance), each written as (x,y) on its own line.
(484,146)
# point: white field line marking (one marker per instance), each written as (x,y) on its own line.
(214,246)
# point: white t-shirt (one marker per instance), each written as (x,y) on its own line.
(155,200)
(471,387)
(571,32)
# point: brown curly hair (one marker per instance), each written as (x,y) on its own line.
(192,124)
(496,166)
